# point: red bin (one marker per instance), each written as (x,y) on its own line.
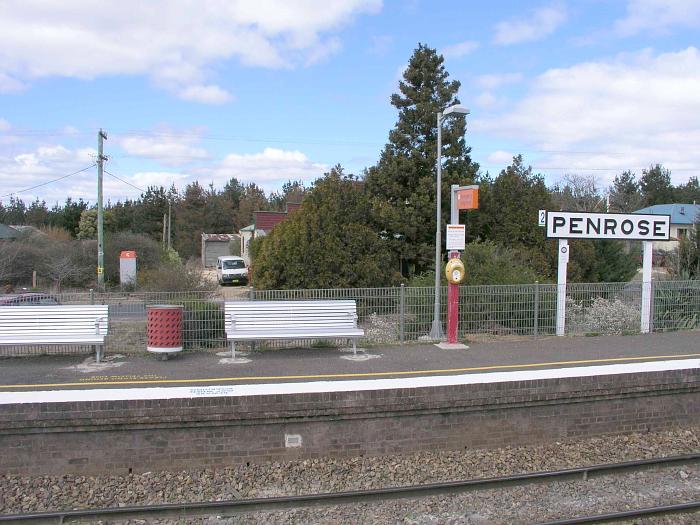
(164,328)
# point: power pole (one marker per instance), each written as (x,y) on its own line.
(169,217)
(101,136)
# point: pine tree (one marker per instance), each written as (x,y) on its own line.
(656,186)
(402,184)
(625,195)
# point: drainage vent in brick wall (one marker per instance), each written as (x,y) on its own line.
(292,440)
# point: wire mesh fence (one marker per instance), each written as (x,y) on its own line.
(405,314)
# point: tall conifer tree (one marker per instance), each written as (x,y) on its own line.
(402,184)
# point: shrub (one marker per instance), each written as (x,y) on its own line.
(174,277)
(603,316)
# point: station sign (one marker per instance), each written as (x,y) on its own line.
(623,226)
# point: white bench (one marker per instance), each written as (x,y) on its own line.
(54,325)
(262,320)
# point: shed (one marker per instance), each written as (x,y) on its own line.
(216,245)
(8,233)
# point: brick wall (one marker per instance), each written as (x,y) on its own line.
(119,436)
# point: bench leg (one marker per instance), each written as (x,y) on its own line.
(354,348)
(233,349)
(97,353)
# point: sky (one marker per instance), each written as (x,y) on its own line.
(269,91)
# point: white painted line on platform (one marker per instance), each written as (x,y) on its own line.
(128,394)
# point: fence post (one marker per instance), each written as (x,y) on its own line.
(536,323)
(92,296)
(402,312)
(252,294)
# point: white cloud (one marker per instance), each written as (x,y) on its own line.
(486,100)
(460,49)
(627,112)
(9,84)
(176,45)
(44,164)
(500,157)
(658,15)
(489,83)
(144,179)
(322,51)
(269,169)
(209,94)
(496,81)
(170,148)
(4,125)
(541,23)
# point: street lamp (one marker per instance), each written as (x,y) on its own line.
(436,331)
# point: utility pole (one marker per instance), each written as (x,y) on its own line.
(169,217)
(101,136)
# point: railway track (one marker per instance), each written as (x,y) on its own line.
(182,511)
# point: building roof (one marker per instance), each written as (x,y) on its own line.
(266,220)
(680,213)
(220,237)
(7,232)
(249,228)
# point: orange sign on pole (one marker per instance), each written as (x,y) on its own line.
(468,199)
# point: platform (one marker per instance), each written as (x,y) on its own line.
(61,415)
(47,373)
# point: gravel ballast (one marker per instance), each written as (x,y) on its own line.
(31,494)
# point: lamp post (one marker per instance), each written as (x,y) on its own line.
(436,332)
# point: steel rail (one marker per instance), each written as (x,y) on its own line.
(611,517)
(208,508)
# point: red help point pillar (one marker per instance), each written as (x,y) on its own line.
(452,307)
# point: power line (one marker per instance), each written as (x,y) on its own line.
(583,168)
(48,182)
(125,182)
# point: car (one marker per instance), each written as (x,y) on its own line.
(28,299)
(231,269)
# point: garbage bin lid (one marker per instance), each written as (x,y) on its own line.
(164,306)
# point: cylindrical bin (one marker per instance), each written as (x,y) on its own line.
(164,328)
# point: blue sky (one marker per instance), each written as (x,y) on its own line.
(270,91)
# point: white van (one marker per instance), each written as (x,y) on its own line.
(231,269)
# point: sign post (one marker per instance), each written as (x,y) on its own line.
(564,225)
(563,262)
(646,287)
(462,198)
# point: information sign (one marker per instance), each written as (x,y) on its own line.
(455,239)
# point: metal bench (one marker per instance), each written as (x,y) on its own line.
(54,325)
(263,320)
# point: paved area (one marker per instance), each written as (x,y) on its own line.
(323,364)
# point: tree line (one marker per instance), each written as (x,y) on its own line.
(193,210)
(377,228)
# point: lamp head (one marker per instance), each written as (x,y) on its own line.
(457,108)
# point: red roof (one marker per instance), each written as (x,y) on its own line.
(293,206)
(266,220)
